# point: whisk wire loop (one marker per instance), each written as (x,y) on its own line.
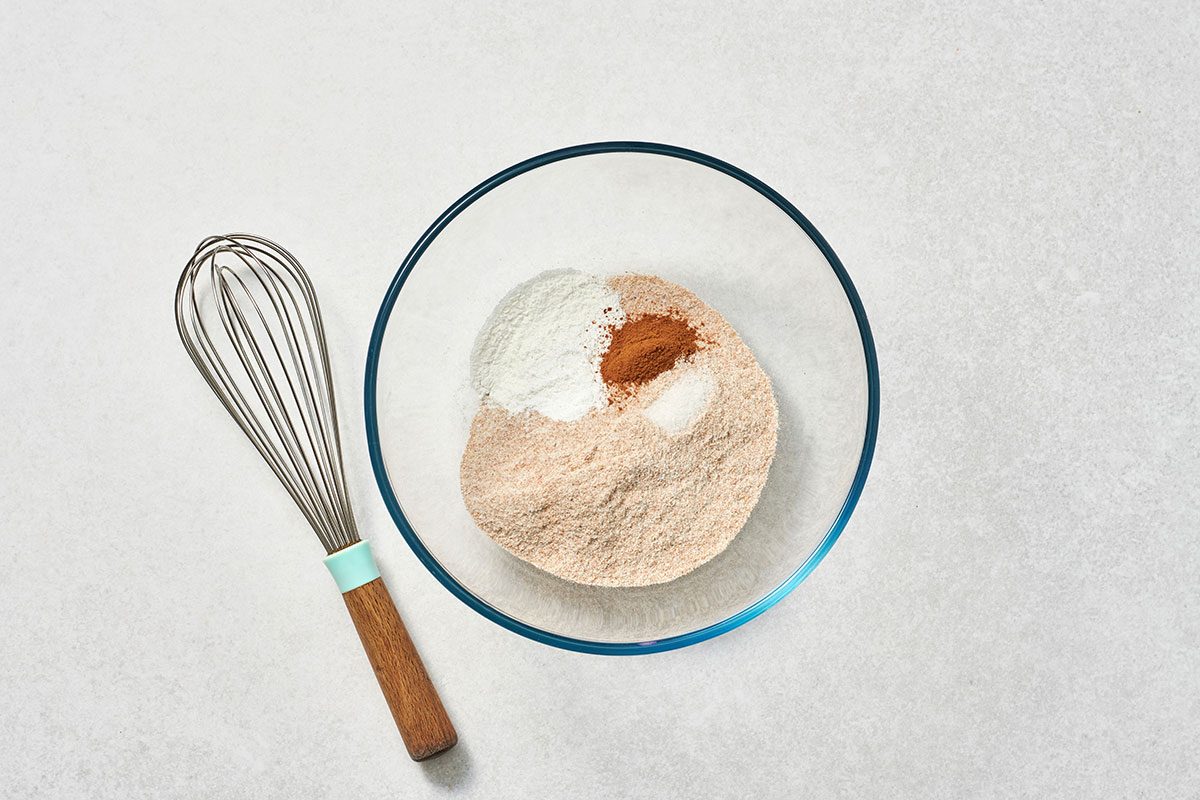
(249,318)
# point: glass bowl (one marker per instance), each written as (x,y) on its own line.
(607,208)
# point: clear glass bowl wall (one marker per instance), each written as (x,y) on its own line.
(656,211)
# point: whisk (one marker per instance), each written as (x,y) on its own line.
(249,318)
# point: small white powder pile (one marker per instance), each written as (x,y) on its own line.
(540,349)
(682,402)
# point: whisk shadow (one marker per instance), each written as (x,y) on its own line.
(450,770)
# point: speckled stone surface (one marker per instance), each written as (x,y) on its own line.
(1013,611)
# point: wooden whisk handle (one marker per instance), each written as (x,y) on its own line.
(416,707)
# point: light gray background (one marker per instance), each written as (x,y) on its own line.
(1013,610)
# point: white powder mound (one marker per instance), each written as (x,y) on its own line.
(540,349)
(682,403)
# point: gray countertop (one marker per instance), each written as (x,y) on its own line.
(1014,609)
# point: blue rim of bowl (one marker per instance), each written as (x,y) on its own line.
(585,645)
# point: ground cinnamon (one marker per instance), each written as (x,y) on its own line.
(644,348)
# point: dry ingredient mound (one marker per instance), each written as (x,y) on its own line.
(642,348)
(541,347)
(617,498)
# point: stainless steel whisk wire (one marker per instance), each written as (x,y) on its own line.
(279,387)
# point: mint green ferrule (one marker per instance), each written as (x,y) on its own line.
(352,566)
